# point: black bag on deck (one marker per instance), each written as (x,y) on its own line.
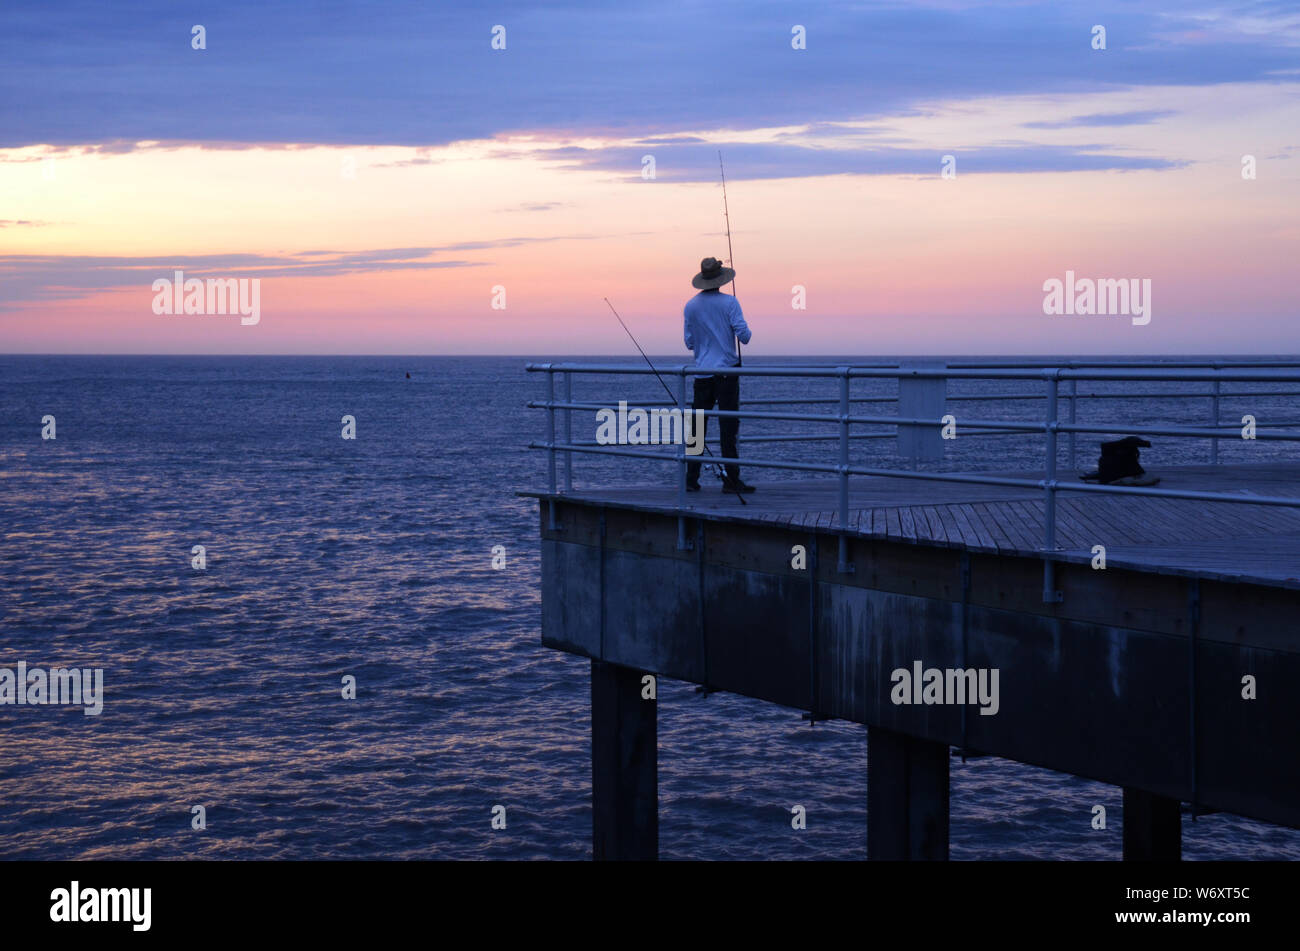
(1119,459)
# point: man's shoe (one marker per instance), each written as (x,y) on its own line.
(692,487)
(736,485)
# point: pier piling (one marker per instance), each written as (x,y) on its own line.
(624,765)
(1153,827)
(907,797)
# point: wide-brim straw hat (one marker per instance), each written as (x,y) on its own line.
(712,274)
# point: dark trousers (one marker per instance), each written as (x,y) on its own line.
(724,392)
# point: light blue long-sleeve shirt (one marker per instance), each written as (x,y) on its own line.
(712,320)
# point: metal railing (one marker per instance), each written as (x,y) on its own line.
(1051,426)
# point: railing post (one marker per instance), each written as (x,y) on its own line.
(1050,594)
(844,566)
(568,431)
(682,543)
(550,442)
(1074,392)
(1214,441)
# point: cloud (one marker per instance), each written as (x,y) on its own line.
(1139,117)
(671,140)
(38,277)
(421,157)
(782,160)
(419,74)
(41,277)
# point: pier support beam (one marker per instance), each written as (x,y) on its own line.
(907,797)
(624,766)
(1153,827)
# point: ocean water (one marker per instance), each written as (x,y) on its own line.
(373,558)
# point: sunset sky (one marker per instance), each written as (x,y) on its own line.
(381,168)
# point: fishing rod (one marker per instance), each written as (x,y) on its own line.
(731,258)
(717,467)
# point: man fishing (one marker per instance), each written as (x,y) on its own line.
(713,324)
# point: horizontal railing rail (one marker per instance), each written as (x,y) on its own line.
(1051,426)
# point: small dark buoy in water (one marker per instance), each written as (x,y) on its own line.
(408,375)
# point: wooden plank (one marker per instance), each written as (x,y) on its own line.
(1025,518)
(936,519)
(1099,525)
(1111,528)
(994,527)
(1184,519)
(905,519)
(950,527)
(1071,530)
(937,531)
(927,524)
(1153,521)
(933,527)
(970,538)
(1227,519)
(1071,526)
(1144,522)
(1230,520)
(999,516)
(988,537)
(1024,521)
(981,530)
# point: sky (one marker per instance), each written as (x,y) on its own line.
(452,178)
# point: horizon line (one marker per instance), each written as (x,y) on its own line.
(533,355)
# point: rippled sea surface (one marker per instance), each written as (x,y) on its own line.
(373,558)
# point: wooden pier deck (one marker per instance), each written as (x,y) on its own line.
(1222,541)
